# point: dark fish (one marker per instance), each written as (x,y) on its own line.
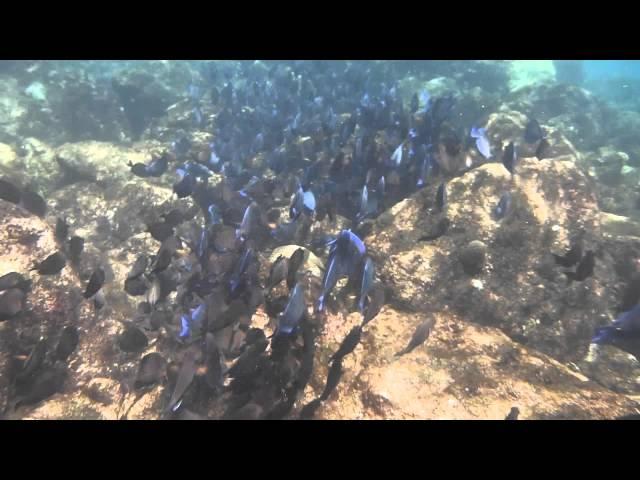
(139,169)
(441,196)
(135,286)
(9,192)
(503,206)
(174,218)
(570,258)
(95,283)
(163,260)
(51,265)
(349,344)
(513,414)
(630,297)
(438,231)
(139,267)
(585,268)
(214,377)
(160,230)
(34,361)
(295,262)
(76,246)
(132,339)
(11,303)
(368,276)
(626,325)
(98,300)
(240,268)
(62,230)
(309,410)
(34,203)
(247,363)
(67,343)
(158,166)
(509,158)
(249,219)
(152,370)
(543,147)
(419,336)
(374,305)
(250,411)
(533,132)
(185,184)
(278,271)
(15,280)
(415,103)
(293,312)
(49,382)
(333,377)
(185,378)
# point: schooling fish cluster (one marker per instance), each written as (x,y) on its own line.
(291,153)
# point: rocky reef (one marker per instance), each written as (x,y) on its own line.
(510,329)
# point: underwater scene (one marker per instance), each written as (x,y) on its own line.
(327,240)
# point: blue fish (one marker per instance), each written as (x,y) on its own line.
(396,158)
(157,167)
(364,204)
(193,320)
(196,169)
(368,276)
(309,201)
(214,217)
(293,312)
(503,206)
(203,244)
(482,142)
(240,268)
(214,160)
(345,254)
(197,116)
(425,100)
(248,221)
(425,170)
(186,326)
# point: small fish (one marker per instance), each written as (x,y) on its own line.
(181,146)
(153,294)
(132,339)
(278,271)
(533,132)
(503,206)
(396,158)
(67,343)
(482,142)
(185,378)
(373,305)
(51,265)
(510,158)
(293,312)
(570,258)
(152,370)
(34,361)
(624,330)
(333,378)
(309,410)
(419,336)
(99,300)
(364,204)
(349,344)
(47,383)
(513,414)
(241,266)
(76,247)
(185,184)
(62,230)
(163,260)
(248,221)
(415,103)
(214,217)
(34,203)
(11,303)
(158,166)
(15,280)
(543,147)
(368,277)
(295,262)
(585,268)
(139,267)
(95,283)
(441,197)
(9,192)
(138,169)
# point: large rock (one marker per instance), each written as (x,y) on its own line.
(520,289)
(463,371)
